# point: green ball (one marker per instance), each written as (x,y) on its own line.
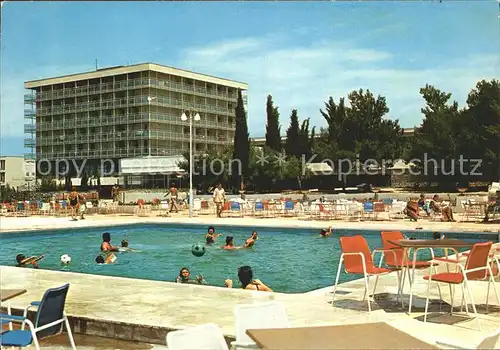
(198,249)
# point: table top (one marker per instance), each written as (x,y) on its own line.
(432,243)
(356,336)
(6,294)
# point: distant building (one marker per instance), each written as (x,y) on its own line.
(126,112)
(261,141)
(16,171)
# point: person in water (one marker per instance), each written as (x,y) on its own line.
(327,232)
(23,261)
(245,275)
(125,247)
(106,243)
(105,258)
(251,241)
(211,235)
(184,277)
(230,244)
(437,235)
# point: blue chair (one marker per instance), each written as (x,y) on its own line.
(236,209)
(289,207)
(368,208)
(259,208)
(48,320)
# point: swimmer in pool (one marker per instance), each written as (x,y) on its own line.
(327,232)
(211,235)
(106,243)
(125,247)
(105,259)
(251,241)
(23,261)
(230,244)
(184,277)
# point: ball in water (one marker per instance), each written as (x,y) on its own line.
(65,259)
(198,249)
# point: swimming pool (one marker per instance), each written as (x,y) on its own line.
(286,259)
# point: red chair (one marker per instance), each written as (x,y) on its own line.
(477,268)
(358,260)
(394,257)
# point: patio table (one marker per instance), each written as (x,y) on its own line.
(7,294)
(357,336)
(420,244)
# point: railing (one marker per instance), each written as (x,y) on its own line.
(111,153)
(137,100)
(29,128)
(134,83)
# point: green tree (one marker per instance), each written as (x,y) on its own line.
(292,142)
(436,138)
(241,144)
(273,128)
(480,129)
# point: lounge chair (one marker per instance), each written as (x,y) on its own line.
(204,337)
(489,342)
(48,320)
(257,316)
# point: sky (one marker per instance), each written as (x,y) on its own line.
(299,52)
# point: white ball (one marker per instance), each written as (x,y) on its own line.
(65,259)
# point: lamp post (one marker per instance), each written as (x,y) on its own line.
(196,117)
(149,122)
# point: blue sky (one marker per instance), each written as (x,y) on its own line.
(300,52)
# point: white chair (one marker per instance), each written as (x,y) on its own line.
(204,337)
(257,316)
(489,342)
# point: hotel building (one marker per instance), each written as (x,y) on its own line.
(127,112)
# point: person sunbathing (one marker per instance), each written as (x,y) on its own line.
(412,210)
(23,261)
(245,275)
(445,210)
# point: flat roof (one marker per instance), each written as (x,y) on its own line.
(140,67)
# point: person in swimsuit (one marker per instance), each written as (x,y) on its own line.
(106,243)
(326,233)
(245,275)
(105,258)
(230,244)
(173,198)
(211,235)
(23,261)
(184,275)
(125,247)
(251,241)
(73,202)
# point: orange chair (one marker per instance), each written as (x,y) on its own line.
(477,268)
(395,259)
(358,260)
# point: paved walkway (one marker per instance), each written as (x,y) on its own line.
(9,224)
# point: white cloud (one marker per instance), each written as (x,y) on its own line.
(304,76)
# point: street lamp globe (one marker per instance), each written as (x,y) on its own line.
(197,117)
(184,117)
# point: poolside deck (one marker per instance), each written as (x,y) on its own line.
(144,311)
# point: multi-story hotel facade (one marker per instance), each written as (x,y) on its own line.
(125,112)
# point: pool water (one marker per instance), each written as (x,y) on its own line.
(287,260)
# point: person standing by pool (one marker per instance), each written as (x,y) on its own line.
(106,243)
(73,203)
(251,241)
(230,244)
(211,235)
(173,198)
(245,275)
(219,199)
(184,277)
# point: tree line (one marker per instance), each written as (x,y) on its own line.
(357,127)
